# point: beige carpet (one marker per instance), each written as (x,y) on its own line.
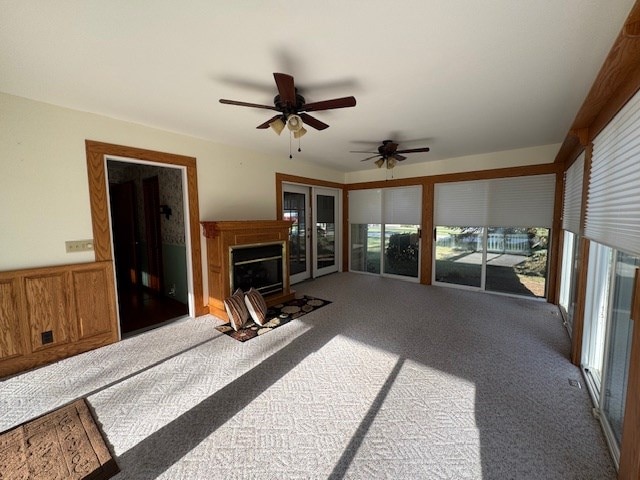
(63,444)
(391,380)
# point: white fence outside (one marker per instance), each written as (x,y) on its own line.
(516,243)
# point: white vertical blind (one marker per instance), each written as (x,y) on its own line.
(613,200)
(501,202)
(365,206)
(572,202)
(402,205)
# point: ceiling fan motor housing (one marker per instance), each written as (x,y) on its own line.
(285,107)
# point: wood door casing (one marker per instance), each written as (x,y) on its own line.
(96,152)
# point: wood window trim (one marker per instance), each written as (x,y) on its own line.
(99,198)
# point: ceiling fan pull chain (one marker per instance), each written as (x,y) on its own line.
(299,142)
(290,133)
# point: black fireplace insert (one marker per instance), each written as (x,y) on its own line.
(258,266)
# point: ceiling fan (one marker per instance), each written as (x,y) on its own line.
(292,108)
(389,154)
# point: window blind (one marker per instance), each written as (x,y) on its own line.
(613,200)
(365,206)
(572,201)
(402,206)
(461,204)
(501,202)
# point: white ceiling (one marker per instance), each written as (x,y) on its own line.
(460,76)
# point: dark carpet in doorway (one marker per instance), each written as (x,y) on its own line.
(277,315)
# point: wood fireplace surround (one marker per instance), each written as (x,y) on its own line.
(225,236)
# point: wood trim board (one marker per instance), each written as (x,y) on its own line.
(96,151)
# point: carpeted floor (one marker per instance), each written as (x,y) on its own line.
(391,380)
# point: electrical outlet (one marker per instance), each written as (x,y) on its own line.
(79,245)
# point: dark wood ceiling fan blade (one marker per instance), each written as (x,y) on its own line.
(313,122)
(360,151)
(329,104)
(286,88)
(268,122)
(247,104)
(414,150)
(369,158)
(399,157)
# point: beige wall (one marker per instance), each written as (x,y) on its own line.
(44,194)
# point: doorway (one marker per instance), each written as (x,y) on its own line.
(313,238)
(148,231)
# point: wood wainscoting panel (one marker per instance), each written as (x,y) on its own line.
(47,304)
(93,302)
(71,305)
(10,335)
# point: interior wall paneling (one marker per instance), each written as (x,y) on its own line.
(11,337)
(52,313)
(96,152)
(93,301)
(47,303)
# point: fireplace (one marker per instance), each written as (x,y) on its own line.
(258,266)
(245,254)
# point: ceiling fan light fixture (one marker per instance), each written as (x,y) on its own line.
(379,162)
(277,125)
(294,123)
(391,162)
(299,133)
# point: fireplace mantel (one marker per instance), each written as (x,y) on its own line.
(222,237)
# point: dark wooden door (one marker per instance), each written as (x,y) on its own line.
(123,220)
(151,189)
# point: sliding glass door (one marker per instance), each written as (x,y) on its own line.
(607,334)
(509,260)
(385,231)
(493,234)
(459,255)
(568,277)
(616,364)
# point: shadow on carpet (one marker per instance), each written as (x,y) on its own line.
(65,443)
(277,315)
